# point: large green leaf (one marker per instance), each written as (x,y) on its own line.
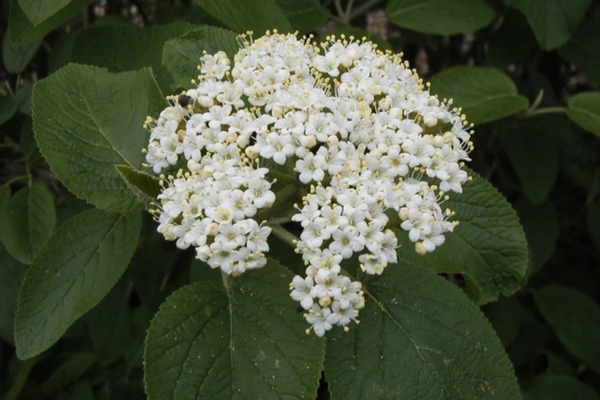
(557,387)
(238,340)
(552,21)
(22,31)
(419,337)
(583,49)
(440,17)
(27,222)
(144,186)
(74,270)
(248,15)
(304,15)
(584,110)
(533,152)
(87,120)
(16,57)
(485,94)
(127,48)
(181,55)
(575,318)
(488,247)
(39,11)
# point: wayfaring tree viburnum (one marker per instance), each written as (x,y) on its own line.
(350,133)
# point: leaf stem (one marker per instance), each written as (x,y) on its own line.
(285,235)
(547,110)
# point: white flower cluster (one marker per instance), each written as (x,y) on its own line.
(357,131)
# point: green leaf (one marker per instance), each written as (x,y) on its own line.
(485,94)
(87,120)
(583,49)
(39,11)
(128,48)
(505,317)
(575,318)
(27,222)
(16,57)
(419,337)
(11,276)
(440,17)
(8,108)
(4,198)
(244,340)
(304,15)
(248,15)
(181,56)
(533,153)
(22,31)
(584,110)
(552,21)
(146,187)
(557,387)
(487,248)
(74,270)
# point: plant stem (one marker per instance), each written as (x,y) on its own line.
(285,235)
(547,110)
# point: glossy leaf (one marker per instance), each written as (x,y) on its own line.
(575,318)
(584,110)
(39,11)
(248,15)
(27,222)
(146,187)
(583,49)
(11,275)
(533,153)
(552,21)
(304,15)
(487,248)
(485,94)
(74,270)
(128,48)
(557,387)
(440,17)
(22,31)
(419,337)
(181,55)
(16,57)
(240,339)
(87,120)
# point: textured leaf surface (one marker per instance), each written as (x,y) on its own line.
(22,31)
(181,56)
(419,338)
(485,94)
(584,110)
(583,49)
(248,15)
(86,121)
(241,341)
(128,48)
(146,187)
(432,16)
(575,318)
(552,21)
(487,248)
(39,11)
(27,222)
(73,271)
(533,152)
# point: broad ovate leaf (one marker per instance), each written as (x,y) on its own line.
(74,270)
(144,186)
(248,15)
(552,21)
(27,222)
(575,317)
(39,11)
(238,339)
(488,247)
(86,121)
(584,110)
(485,94)
(440,17)
(419,337)
(304,15)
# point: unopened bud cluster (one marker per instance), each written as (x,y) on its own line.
(351,124)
